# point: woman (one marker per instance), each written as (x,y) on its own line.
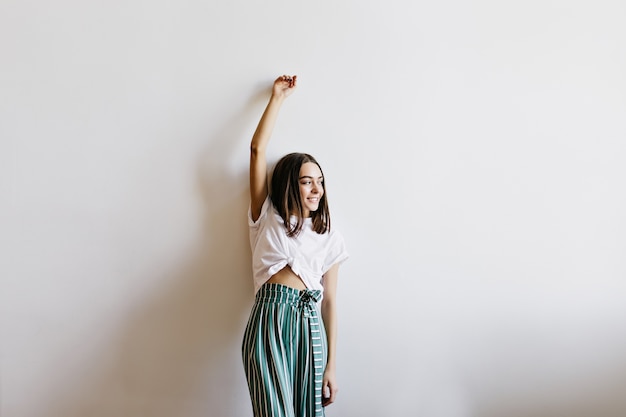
(288,352)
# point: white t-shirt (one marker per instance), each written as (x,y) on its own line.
(309,254)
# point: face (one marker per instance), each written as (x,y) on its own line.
(311,187)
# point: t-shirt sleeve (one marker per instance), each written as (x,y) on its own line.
(255,227)
(255,224)
(337,252)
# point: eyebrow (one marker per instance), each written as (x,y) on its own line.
(308,176)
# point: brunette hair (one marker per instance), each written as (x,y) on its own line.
(285,195)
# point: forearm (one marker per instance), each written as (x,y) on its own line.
(329,315)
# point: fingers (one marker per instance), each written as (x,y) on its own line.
(329,393)
(291,80)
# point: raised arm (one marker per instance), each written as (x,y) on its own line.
(283,87)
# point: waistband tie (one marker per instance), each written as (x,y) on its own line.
(307,305)
(307,300)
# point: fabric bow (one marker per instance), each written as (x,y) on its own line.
(307,301)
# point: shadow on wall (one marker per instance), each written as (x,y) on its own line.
(174,354)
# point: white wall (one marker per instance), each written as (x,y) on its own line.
(474,153)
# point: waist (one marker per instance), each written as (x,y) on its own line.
(287,278)
(281,294)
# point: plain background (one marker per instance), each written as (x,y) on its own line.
(474,155)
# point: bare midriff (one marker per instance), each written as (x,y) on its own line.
(288,278)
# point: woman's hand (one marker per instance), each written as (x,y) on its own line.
(284,86)
(329,387)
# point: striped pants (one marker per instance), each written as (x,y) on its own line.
(284,353)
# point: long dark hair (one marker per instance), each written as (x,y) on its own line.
(285,195)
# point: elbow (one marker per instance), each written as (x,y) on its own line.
(328,306)
(255,150)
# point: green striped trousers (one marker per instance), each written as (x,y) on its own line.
(284,353)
